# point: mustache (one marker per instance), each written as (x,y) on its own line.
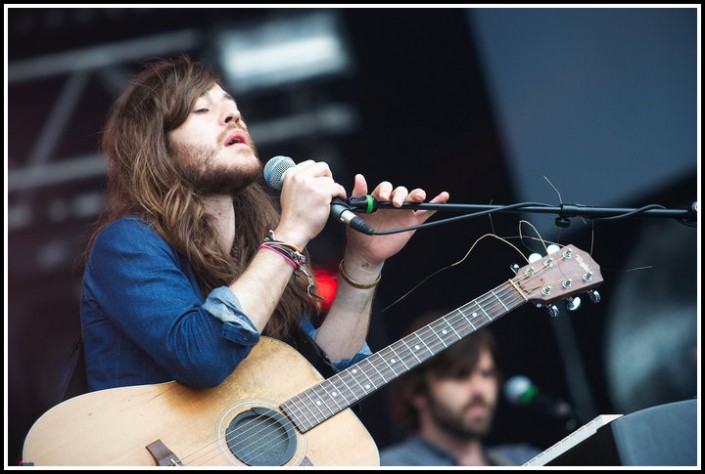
(477,402)
(228,130)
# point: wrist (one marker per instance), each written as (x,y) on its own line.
(360,273)
(288,236)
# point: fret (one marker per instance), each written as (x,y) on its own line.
(451,326)
(436,334)
(303,422)
(411,351)
(354,371)
(331,396)
(401,359)
(365,373)
(384,379)
(424,343)
(500,302)
(468,320)
(342,379)
(318,404)
(483,310)
(443,344)
(384,358)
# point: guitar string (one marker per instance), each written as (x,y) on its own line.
(271,441)
(458,313)
(489,296)
(253,423)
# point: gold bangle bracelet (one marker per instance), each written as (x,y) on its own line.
(357,284)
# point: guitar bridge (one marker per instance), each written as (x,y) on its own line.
(163,455)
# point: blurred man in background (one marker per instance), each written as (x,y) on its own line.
(448,405)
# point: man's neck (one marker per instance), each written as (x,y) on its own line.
(467,452)
(220,207)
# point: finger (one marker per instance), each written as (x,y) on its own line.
(399,196)
(416,195)
(360,186)
(383,191)
(439,199)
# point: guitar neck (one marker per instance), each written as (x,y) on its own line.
(322,401)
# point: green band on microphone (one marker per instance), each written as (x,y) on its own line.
(370,204)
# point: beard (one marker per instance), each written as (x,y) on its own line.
(456,423)
(208,176)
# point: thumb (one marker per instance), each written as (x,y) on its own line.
(360,186)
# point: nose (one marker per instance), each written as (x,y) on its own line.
(231,115)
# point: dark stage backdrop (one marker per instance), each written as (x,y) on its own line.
(488,104)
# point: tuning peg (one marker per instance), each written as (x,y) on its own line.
(573,303)
(552,310)
(594,296)
(535,257)
(515,268)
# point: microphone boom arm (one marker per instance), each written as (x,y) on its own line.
(564,211)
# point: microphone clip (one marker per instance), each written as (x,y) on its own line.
(366,204)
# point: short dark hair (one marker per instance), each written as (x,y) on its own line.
(457,360)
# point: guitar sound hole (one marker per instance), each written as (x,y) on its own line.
(261,437)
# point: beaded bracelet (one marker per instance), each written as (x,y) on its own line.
(292,254)
(357,284)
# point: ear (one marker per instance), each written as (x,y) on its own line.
(420,401)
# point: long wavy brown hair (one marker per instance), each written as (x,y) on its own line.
(144,180)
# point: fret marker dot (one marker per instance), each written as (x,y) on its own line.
(444,331)
(354,371)
(334,394)
(417,347)
(367,386)
(474,315)
(393,361)
(318,403)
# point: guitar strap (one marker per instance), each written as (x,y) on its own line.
(315,356)
(76,382)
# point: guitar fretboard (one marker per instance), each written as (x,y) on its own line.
(322,401)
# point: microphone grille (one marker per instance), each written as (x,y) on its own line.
(516,387)
(274,170)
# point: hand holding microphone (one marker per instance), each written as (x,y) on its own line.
(372,248)
(274,172)
(305,198)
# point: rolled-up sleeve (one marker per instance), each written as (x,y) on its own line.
(338,364)
(222,304)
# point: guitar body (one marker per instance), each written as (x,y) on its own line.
(115,426)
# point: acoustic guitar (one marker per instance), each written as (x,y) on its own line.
(275,409)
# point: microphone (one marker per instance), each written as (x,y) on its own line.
(520,391)
(276,168)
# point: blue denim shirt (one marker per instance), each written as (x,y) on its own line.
(145,321)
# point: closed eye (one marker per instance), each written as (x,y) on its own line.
(200,111)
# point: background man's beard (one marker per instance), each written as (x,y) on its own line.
(455,426)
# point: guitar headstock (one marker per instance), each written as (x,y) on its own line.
(558,275)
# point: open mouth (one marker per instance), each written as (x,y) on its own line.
(235,138)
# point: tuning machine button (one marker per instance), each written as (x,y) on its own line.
(552,310)
(594,296)
(573,303)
